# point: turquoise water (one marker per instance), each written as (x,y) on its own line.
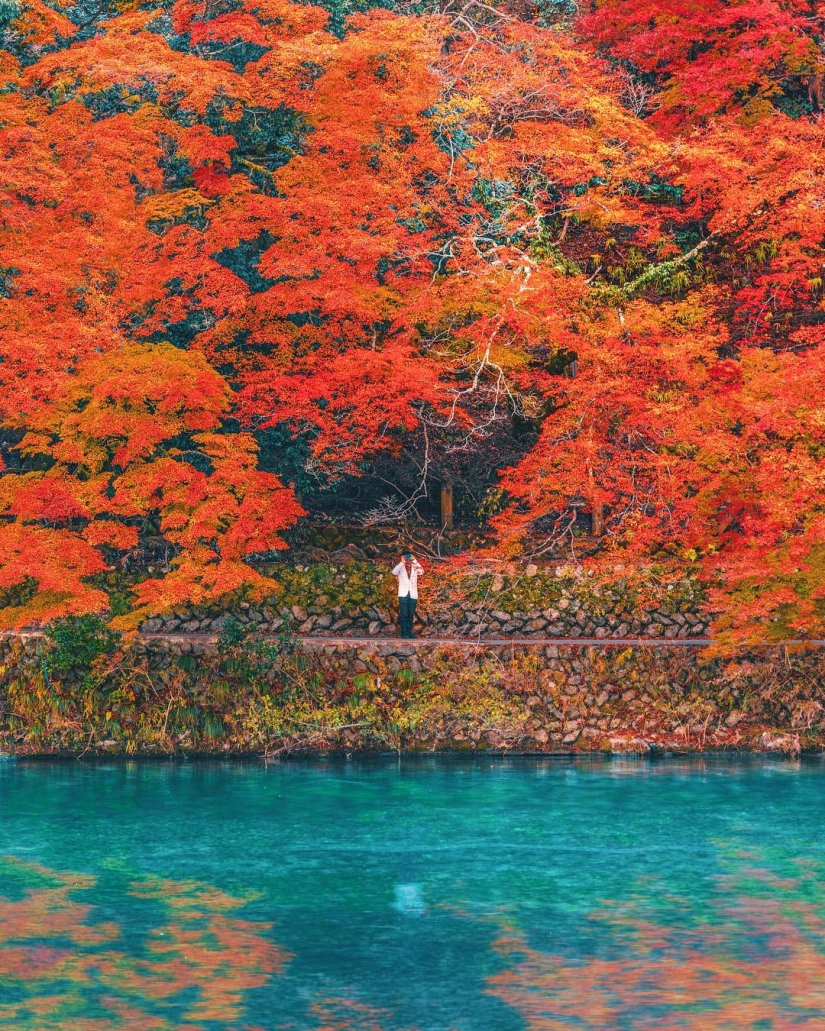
(437,895)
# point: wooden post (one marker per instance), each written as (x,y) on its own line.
(598,520)
(597,526)
(446,504)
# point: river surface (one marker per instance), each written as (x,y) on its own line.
(430,894)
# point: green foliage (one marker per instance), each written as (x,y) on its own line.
(78,642)
(354,587)
(213,726)
(118,586)
(361,682)
(19,594)
(233,633)
(543,248)
(653,588)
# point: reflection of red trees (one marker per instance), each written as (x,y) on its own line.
(336,1014)
(190,972)
(70,972)
(758,955)
(753,954)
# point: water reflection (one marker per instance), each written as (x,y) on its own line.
(752,954)
(351,1015)
(62,966)
(408,899)
(427,897)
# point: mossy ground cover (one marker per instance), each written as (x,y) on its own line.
(520,591)
(357,587)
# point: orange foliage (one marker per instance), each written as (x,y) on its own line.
(417,222)
(755,958)
(199,963)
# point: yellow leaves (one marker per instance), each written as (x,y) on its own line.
(509,358)
(130,400)
(457,111)
(758,109)
(34,444)
(174,205)
(765,251)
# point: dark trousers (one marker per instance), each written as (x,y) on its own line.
(406,615)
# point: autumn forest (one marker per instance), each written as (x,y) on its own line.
(263,260)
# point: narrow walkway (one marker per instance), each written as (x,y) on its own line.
(465,642)
(494,642)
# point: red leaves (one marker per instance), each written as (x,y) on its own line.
(417,221)
(713,56)
(43,499)
(136,436)
(352,403)
(112,534)
(211,180)
(727,375)
(57,561)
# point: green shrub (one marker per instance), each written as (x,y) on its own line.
(78,641)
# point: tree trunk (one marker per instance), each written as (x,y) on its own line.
(598,520)
(446,505)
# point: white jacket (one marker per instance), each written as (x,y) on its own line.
(408,585)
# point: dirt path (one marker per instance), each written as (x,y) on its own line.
(466,642)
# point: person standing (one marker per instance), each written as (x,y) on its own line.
(408,570)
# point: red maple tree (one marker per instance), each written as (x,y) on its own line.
(222,219)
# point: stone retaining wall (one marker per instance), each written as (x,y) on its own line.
(549,602)
(382,694)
